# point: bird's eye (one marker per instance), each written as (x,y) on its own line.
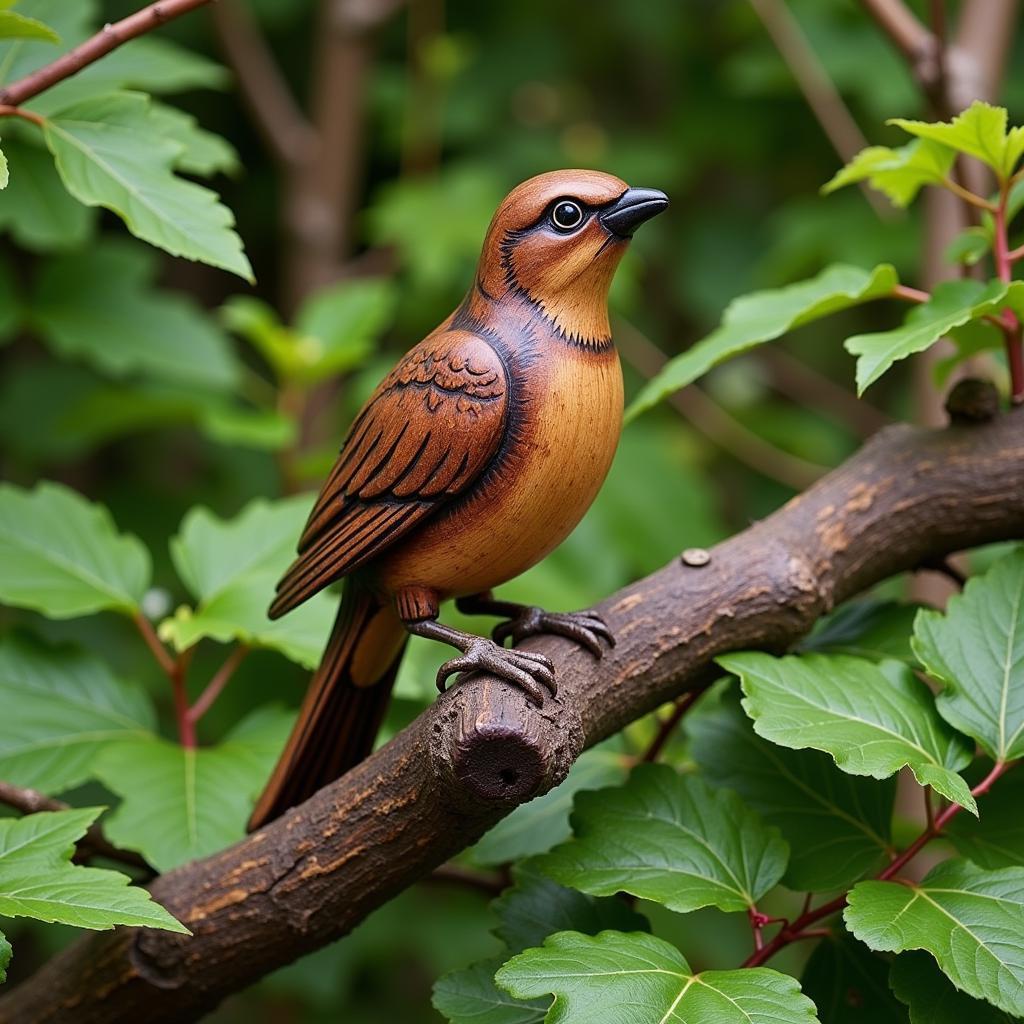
(567,215)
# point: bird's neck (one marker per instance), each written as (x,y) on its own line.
(576,315)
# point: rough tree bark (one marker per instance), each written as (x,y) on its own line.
(910,496)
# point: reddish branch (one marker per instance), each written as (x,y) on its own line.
(802,928)
(911,495)
(110,37)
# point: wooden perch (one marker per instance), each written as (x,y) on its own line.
(910,496)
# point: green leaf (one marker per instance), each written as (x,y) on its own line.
(996,838)
(470,996)
(180,804)
(613,978)
(866,629)
(339,326)
(932,999)
(535,907)
(979,131)
(5,957)
(898,173)
(202,152)
(873,718)
(61,708)
(969,247)
(35,207)
(16,26)
(527,913)
(110,153)
(37,879)
(838,826)
(100,305)
(970,920)
(952,304)
(762,316)
(5,174)
(232,567)
(63,556)
(71,22)
(977,651)
(849,984)
(542,823)
(669,838)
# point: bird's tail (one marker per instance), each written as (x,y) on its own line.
(344,705)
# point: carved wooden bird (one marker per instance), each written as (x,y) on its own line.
(473,459)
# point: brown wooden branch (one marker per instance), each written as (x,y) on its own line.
(911,495)
(93,844)
(110,37)
(279,119)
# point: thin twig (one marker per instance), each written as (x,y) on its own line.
(799,929)
(162,655)
(818,90)
(902,27)
(669,725)
(274,110)
(179,688)
(710,419)
(455,874)
(905,292)
(108,38)
(26,115)
(92,844)
(216,685)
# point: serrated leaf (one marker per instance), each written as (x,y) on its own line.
(5,957)
(469,996)
(202,153)
(898,173)
(61,707)
(536,826)
(970,920)
(866,629)
(232,567)
(35,207)
(338,326)
(671,839)
(37,879)
(614,977)
(62,555)
(995,839)
(180,804)
(849,984)
(976,650)
(932,999)
(16,26)
(838,826)
(762,316)
(527,913)
(100,305)
(873,718)
(979,131)
(953,304)
(534,907)
(110,154)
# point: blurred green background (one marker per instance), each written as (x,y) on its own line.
(454,103)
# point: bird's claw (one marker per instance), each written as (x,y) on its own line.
(530,671)
(586,628)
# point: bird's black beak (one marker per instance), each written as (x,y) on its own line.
(631,209)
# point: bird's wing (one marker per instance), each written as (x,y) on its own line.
(426,434)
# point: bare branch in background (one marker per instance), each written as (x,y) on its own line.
(708,418)
(818,90)
(274,110)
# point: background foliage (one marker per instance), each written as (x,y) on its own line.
(199,408)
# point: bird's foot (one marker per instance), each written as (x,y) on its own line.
(531,672)
(586,628)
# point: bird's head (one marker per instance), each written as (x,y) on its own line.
(556,240)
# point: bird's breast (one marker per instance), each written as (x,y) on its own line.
(565,417)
